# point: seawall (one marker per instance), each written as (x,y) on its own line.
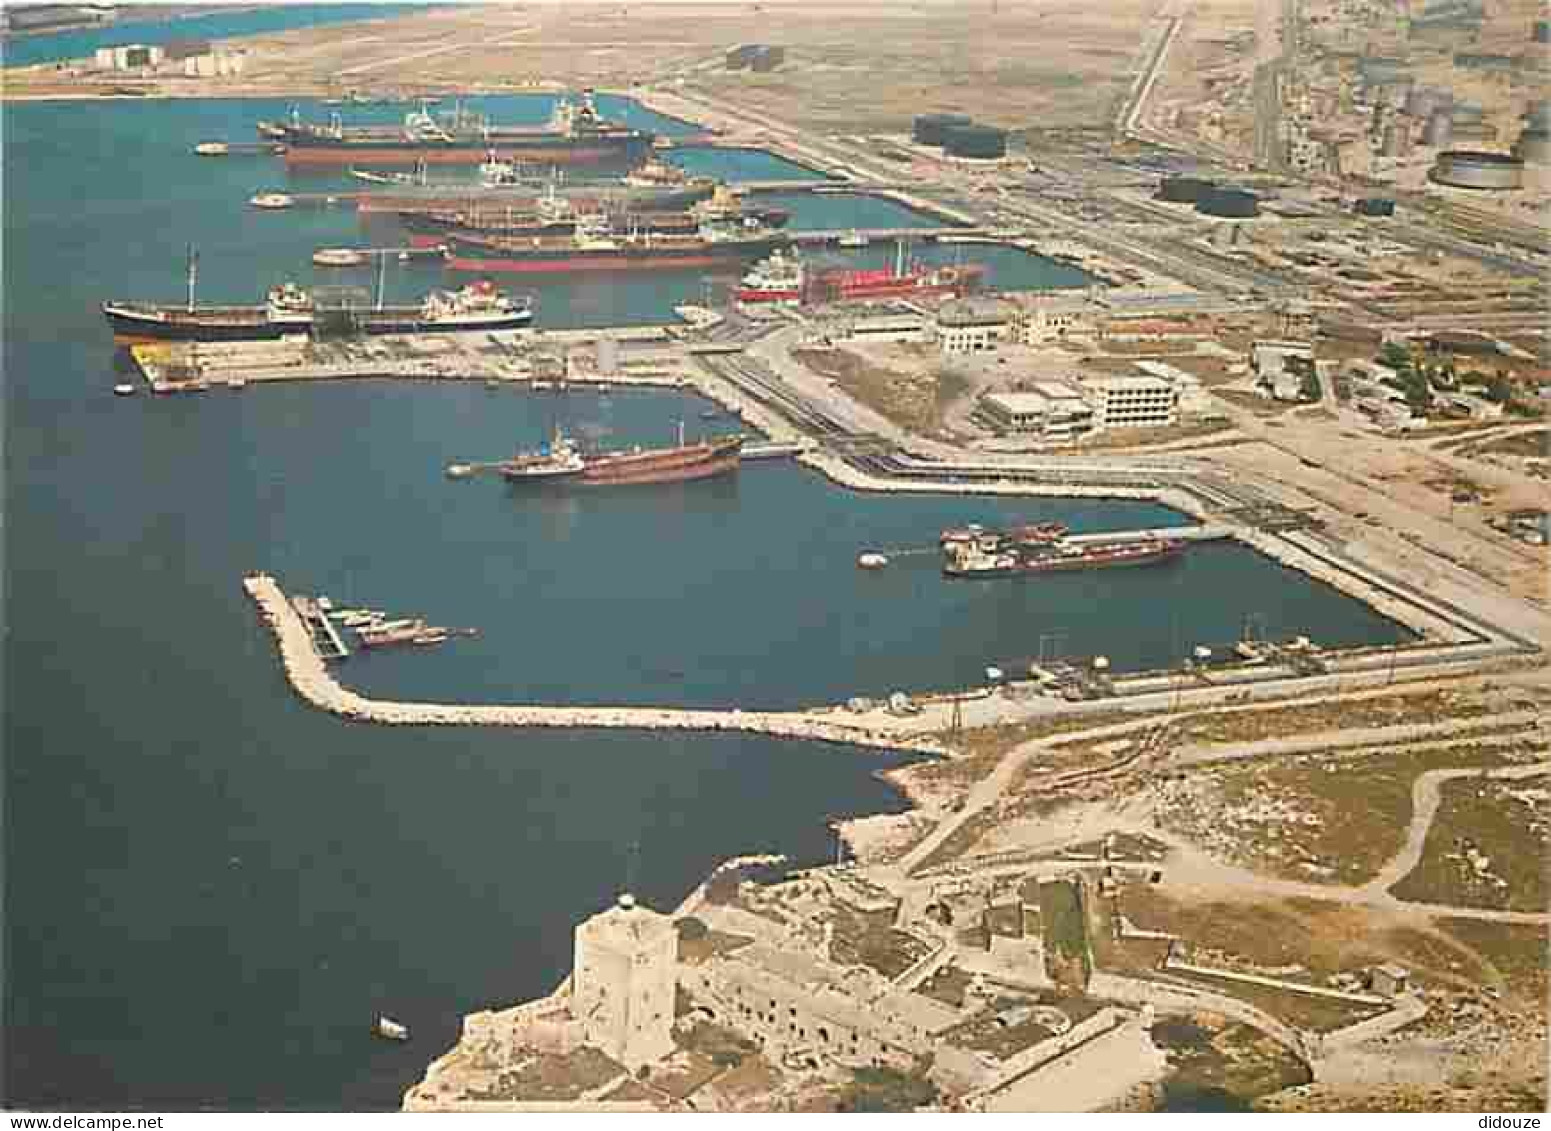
(313,681)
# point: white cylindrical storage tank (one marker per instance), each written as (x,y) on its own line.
(103,59)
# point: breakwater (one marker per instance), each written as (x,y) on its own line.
(313,681)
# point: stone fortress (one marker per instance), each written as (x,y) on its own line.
(984,992)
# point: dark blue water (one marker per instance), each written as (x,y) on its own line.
(212,889)
(48,47)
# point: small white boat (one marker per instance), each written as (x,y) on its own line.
(236,382)
(338,257)
(123,389)
(390,1029)
(872,561)
(271,200)
(212,149)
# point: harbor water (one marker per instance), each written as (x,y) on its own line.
(211,888)
(81,43)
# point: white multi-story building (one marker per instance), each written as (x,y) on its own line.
(1050,318)
(1138,401)
(1050,410)
(973,325)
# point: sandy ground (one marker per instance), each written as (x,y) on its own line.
(867,66)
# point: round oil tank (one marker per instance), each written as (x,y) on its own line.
(930,128)
(1183,190)
(1236,203)
(1476,169)
(986,143)
(1534,146)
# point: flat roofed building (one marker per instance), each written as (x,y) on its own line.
(1050,409)
(1050,318)
(898,326)
(1139,401)
(973,325)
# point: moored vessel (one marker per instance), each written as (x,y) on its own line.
(576,134)
(596,247)
(785,278)
(288,309)
(991,556)
(682,462)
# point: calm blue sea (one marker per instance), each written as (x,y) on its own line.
(49,47)
(211,889)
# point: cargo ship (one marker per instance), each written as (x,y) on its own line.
(994,556)
(596,247)
(289,309)
(784,278)
(577,134)
(556,216)
(563,462)
(585,196)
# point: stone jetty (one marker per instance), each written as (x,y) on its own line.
(315,683)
